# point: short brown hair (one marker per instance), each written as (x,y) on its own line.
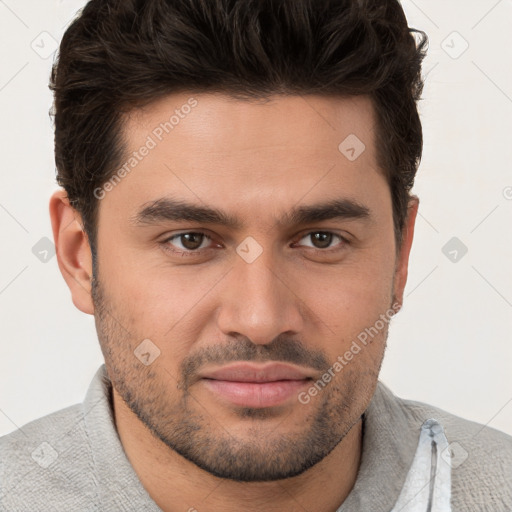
(120,54)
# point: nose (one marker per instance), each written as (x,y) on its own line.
(258,302)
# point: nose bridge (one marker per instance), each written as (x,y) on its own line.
(256,302)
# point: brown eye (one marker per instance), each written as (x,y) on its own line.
(191,241)
(322,240)
(188,242)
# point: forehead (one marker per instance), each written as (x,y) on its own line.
(220,123)
(214,149)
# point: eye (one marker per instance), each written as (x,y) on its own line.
(187,242)
(323,239)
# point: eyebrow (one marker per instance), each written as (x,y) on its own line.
(168,209)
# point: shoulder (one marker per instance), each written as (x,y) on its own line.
(480,456)
(47,456)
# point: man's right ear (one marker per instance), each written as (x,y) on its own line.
(73,250)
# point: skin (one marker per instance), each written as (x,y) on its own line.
(255,161)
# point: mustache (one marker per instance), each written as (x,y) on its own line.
(282,349)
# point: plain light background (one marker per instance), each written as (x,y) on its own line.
(451,344)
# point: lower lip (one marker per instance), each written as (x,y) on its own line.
(256,394)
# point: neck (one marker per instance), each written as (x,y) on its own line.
(176,484)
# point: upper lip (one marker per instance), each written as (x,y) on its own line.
(250,372)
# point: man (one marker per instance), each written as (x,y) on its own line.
(236,214)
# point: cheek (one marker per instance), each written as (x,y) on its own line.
(139,279)
(351,295)
(161,304)
(353,304)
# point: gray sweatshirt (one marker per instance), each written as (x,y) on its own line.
(415,458)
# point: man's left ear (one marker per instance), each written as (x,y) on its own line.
(402,263)
(73,251)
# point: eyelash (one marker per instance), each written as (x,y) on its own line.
(195,252)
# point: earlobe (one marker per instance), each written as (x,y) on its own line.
(73,250)
(402,264)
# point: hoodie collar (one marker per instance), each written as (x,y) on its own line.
(403,462)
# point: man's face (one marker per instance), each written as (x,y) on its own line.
(292,280)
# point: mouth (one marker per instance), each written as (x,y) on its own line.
(257,386)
